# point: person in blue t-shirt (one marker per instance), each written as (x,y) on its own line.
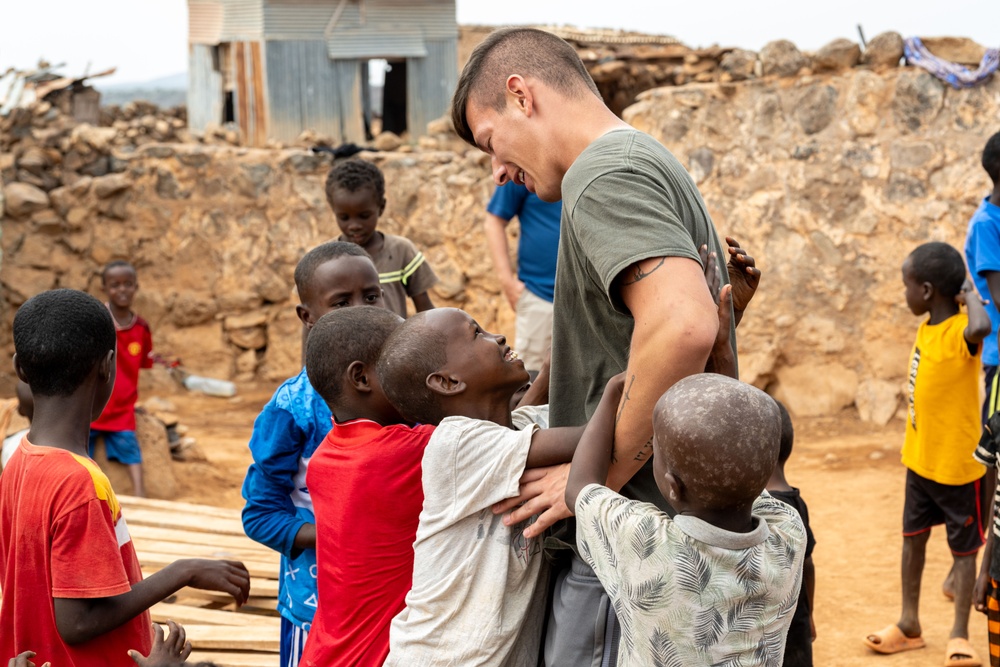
(982,254)
(530,292)
(279,511)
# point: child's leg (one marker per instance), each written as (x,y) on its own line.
(962,510)
(993,622)
(964,570)
(135,474)
(122,446)
(914,551)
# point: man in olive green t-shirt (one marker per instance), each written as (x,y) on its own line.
(630,289)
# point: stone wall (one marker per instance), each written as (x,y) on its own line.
(216,232)
(830,181)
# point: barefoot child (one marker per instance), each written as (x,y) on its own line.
(718,582)
(355,190)
(279,511)
(942,429)
(365,484)
(72,587)
(802,633)
(116,425)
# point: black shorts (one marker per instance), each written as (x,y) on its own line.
(929,503)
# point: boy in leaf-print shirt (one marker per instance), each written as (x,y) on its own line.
(718,583)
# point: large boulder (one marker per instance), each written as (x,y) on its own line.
(782,58)
(157,465)
(837,55)
(23,199)
(884,50)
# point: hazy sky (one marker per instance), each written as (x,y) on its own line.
(147,39)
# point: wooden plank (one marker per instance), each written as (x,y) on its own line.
(234,659)
(271,558)
(184,508)
(261,588)
(181,536)
(157,561)
(185,615)
(163,519)
(218,637)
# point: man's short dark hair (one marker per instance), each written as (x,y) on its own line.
(320,255)
(59,336)
(787,433)
(353,175)
(991,158)
(116,264)
(940,265)
(525,51)
(412,353)
(342,337)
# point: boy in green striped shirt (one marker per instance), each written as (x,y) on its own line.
(355,190)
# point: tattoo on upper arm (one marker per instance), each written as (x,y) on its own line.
(636,273)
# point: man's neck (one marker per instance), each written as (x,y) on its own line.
(592,120)
(491,408)
(941,310)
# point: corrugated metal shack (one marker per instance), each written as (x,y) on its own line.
(278,67)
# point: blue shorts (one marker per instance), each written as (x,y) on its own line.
(121,446)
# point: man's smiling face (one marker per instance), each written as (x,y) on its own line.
(514,142)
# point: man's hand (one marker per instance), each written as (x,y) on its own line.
(744,276)
(542,492)
(513,289)
(169,652)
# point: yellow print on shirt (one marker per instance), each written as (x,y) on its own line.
(134,349)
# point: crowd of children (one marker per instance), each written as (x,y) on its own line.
(377,470)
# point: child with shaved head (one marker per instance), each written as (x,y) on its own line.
(718,582)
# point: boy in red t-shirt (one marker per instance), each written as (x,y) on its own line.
(116,425)
(72,587)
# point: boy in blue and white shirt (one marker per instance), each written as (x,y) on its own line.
(279,512)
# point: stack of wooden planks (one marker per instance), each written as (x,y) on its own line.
(165,531)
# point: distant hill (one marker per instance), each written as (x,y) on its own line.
(165,91)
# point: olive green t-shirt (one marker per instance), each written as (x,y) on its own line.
(626,198)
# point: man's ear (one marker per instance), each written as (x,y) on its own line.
(107,366)
(520,94)
(927,290)
(444,384)
(357,376)
(304,316)
(18,371)
(381,207)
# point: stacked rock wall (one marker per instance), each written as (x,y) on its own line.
(831,181)
(828,179)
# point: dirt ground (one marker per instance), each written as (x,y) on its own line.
(849,474)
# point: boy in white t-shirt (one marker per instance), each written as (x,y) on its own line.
(718,583)
(478,595)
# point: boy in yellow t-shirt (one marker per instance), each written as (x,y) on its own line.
(942,430)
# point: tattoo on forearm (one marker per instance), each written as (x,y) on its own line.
(625,398)
(645,452)
(638,274)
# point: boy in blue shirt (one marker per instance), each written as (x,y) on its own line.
(278,511)
(982,254)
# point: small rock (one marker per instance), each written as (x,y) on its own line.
(816,108)
(837,55)
(34,160)
(782,58)
(918,100)
(739,64)
(245,321)
(875,456)
(98,138)
(701,162)
(876,401)
(884,50)
(23,199)
(388,141)
(105,186)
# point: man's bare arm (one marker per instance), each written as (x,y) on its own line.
(676,322)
